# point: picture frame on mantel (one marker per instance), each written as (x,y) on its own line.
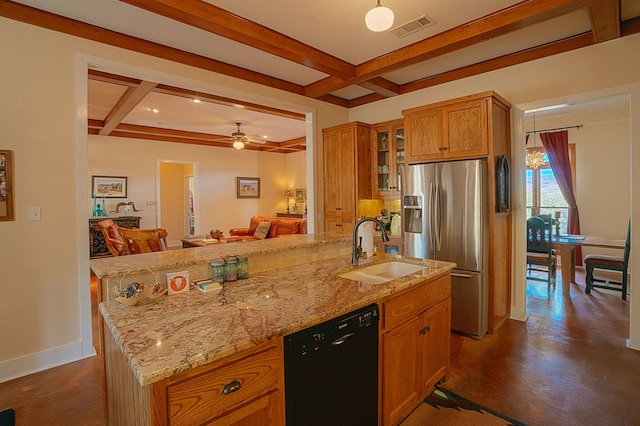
(109,186)
(247,187)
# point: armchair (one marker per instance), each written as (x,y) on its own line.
(125,241)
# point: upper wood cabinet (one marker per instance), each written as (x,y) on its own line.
(388,158)
(448,130)
(347,173)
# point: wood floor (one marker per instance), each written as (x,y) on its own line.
(567,365)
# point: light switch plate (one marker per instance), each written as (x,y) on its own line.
(34,213)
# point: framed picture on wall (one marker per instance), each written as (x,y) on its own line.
(248,187)
(301,195)
(109,186)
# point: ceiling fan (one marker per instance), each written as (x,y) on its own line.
(240,138)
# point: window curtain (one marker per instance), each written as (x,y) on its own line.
(556,144)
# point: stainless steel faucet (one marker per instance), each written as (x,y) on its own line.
(356,253)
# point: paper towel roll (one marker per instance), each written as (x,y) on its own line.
(366,232)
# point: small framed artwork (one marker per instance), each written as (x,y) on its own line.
(248,187)
(301,195)
(109,186)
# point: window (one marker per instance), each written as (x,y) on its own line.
(543,194)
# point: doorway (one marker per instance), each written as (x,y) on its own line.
(177,199)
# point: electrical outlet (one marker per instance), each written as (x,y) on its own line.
(34,213)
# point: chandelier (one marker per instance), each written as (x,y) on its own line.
(535,159)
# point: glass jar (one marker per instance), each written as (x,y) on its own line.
(230,268)
(243,267)
(217,270)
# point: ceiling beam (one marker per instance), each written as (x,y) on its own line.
(135,131)
(605,20)
(513,18)
(381,86)
(51,21)
(207,17)
(131,98)
(194,94)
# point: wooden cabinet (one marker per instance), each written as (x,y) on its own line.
(415,346)
(243,389)
(447,131)
(347,174)
(246,390)
(97,245)
(388,158)
(475,126)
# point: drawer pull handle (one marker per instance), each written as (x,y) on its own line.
(231,387)
(424,330)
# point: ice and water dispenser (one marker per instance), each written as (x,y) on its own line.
(412,209)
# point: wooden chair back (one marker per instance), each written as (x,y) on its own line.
(538,235)
(144,240)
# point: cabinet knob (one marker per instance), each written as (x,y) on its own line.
(231,387)
(424,330)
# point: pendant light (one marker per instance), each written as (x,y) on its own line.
(534,158)
(238,145)
(379,18)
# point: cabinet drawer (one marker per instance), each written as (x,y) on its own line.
(202,398)
(400,308)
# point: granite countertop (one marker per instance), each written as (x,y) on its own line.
(180,332)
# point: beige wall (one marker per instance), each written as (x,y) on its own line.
(44,275)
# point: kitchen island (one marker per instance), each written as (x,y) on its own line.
(163,360)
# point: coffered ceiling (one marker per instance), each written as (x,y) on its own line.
(319,49)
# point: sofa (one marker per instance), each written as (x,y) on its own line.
(278,227)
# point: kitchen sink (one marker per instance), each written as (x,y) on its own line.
(382,272)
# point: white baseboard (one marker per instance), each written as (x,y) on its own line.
(40,361)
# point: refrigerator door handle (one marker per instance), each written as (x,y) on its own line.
(430,220)
(437,237)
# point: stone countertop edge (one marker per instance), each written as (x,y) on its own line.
(110,267)
(181,332)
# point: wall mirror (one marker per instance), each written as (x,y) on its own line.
(6,185)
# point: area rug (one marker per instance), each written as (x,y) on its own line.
(444,408)
(7,417)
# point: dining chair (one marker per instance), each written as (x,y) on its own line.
(539,251)
(609,263)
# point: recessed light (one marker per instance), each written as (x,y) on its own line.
(196,101)
(154,110)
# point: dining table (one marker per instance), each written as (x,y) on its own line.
(566,245)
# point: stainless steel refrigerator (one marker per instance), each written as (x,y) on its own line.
(444,208)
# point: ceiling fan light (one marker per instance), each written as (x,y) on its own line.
(238,145)
(379,18)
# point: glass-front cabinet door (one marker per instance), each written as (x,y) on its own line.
(388,141)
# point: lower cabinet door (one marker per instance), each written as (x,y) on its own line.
(401,370)
(436,345)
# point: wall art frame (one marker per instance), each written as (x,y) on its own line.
(247,187)
(109,186)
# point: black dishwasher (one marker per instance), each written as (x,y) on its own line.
(331,371)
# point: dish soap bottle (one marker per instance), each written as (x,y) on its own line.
(395,224)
